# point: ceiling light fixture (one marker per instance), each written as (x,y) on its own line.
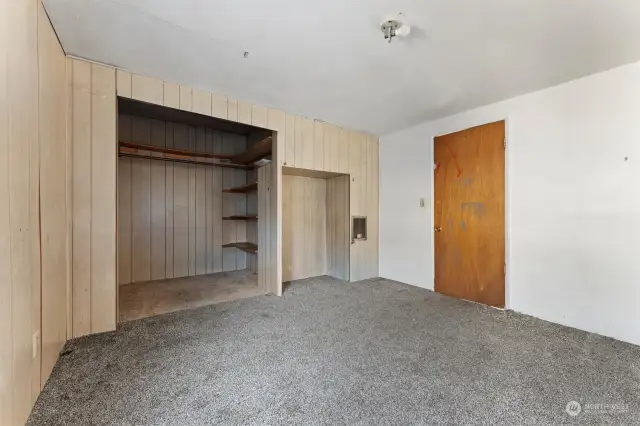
(394,28)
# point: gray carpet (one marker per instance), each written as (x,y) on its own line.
(373,352)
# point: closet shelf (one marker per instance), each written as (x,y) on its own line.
(165,150)
(254,217)
(255,152)
(128,152)
(242,189)
(248,247)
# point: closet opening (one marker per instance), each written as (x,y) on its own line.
(190,188)
(316,225)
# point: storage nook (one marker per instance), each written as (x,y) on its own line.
(189,193)
(315,224)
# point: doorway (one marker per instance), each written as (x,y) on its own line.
(469,214)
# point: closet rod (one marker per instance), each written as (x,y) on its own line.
(175,151)
(178,160)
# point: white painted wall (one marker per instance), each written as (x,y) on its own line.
(573,201)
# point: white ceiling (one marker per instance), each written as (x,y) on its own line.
(327,59)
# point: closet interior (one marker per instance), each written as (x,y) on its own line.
(189,194)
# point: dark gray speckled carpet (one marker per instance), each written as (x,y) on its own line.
(372,352)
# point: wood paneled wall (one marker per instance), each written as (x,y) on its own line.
(33,199)
(304,233)
(265,229)
(338,227)
(170,214)
(93,133)
(55,195)
(299,142)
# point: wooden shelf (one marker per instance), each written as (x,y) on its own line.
(240,217)
(242,189)
(128,152)
(248,247)
(257,151)
(176,151)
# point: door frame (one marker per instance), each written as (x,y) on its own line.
(507,203)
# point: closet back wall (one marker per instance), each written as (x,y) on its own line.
(170,214)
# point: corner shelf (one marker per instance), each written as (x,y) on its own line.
(255,152)
(248,247)
(238,217)
(242,189)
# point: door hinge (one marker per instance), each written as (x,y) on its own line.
(505,142)
(504,270)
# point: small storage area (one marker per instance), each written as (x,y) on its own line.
(188,203)
(315,224)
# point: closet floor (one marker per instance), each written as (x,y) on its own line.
(149,298)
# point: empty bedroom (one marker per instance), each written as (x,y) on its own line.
(319,212)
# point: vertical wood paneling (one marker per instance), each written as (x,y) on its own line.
(141,204)
(232,110)
(277,122)
(343,151)
(171,97)
(338,233)
(81,198)
(331,139)
(124,205)
(265,255)
(219,106)
(217,207)
(201,102)
(147,89)
(244,112)
(304,227)
(52,180)
(289,157)
(169,213)
(158,205)
(228,209)
(192,205)
(318,145)
(186,98)
(103,199)
(200,205)
(240,144)
(123,83)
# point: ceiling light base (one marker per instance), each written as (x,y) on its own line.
(389,29)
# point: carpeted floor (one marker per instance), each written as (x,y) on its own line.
(372,352)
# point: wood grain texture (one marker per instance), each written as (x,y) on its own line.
(123,83)
(178,207)
(147,89)
(304,227)
(469,205)
(53,188)
(103,199)
(338,218)
(81,198)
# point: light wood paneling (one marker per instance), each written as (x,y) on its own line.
(186,98)
(53,188)
(176,208)
(103,198)
(34,232)
(171,96)
(219,106)
(201,102)
(147,89)
(81,198)
(265,255)
(123,83)
(338,233)
(304,227)
(318,145)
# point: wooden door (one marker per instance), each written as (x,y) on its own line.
(469,214)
